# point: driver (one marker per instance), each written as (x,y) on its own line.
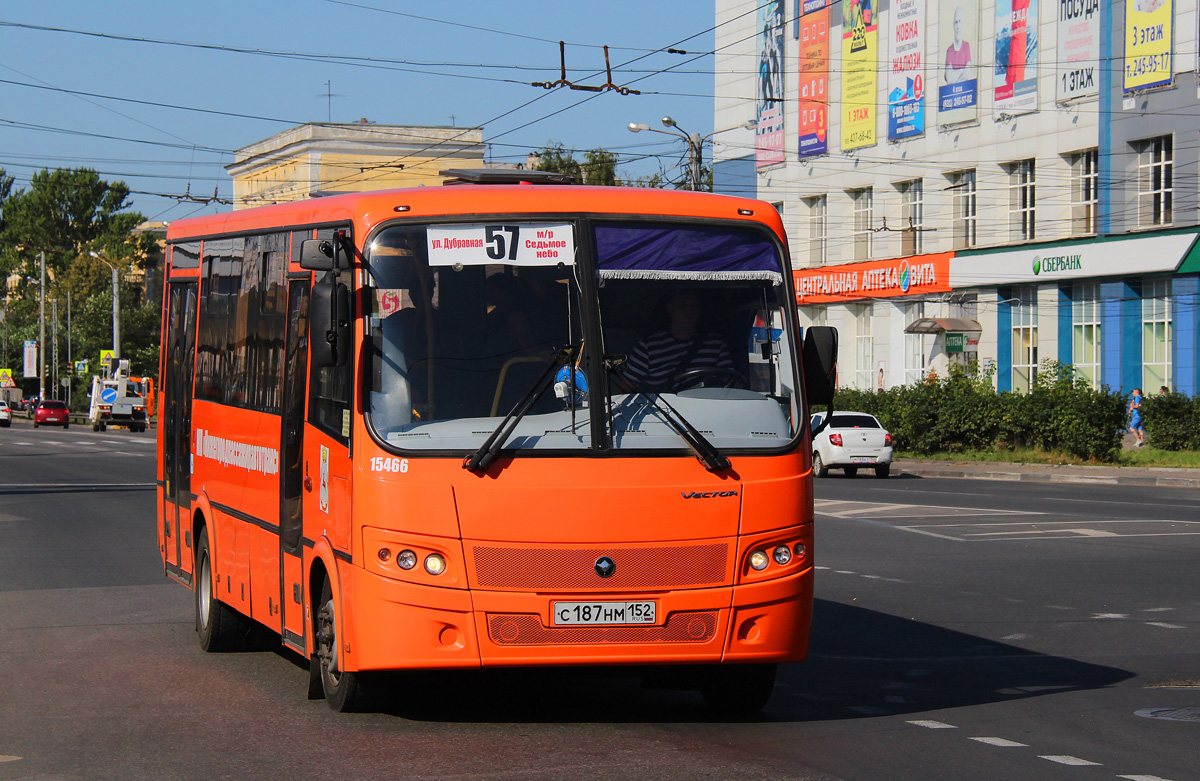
(657,362)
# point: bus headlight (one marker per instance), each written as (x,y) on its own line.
(759,560)
(435,564)
(782,554)
(406,559)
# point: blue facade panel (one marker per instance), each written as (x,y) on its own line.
(1004,340)
(1186,331)
(736,177)
(1113,336)
(1066,333)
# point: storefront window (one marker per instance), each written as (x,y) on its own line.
(1085,328)
(1024,339)
(1156,334)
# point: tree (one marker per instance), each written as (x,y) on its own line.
(599,166)
(68,213)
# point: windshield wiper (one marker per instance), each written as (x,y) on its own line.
(482,458)
(706,452)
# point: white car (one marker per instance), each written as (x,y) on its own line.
(851,441)
(5,414)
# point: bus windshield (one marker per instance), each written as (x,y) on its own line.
(691,316)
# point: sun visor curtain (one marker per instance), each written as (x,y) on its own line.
(629,251)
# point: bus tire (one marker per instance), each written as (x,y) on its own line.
(221,628)
(341,687)
(738,688)
(819,468)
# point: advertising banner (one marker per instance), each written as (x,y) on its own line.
(1079,261)
(1079,49)
(30,355)
(814,78)
(874,279)
(768,134)
(1149,43)
(860,66)
(958,77)
(906,80)
(1015,77)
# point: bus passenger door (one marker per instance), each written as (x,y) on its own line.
(291,483)
(177,427)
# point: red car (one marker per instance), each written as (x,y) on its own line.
(52,413)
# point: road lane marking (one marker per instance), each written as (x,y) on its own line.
(1165,625)
(1110,615)
(1002,743)
(7,758)
(1144,778)
(1158,609)
(927,724)
(1067,759)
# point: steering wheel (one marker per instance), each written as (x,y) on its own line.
(721,378)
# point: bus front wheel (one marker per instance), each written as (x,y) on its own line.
(221,628)
(739,688)
(341,687)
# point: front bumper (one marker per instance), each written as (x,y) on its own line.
(399,625)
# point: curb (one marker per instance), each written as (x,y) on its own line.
(1047,473)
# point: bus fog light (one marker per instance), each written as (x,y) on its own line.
(782,554)
(435,564)
(384,554)
(759,560)
(406,559)
(799,549)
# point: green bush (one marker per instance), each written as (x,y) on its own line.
(1172,421)
(962,412)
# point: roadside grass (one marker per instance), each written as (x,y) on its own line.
(1145,457)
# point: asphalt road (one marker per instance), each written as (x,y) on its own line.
(963,629)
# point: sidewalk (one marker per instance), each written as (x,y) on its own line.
(1047,473)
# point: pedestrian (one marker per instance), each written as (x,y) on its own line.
(1163,390)
(1136,425)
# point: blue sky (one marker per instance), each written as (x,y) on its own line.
(112,50)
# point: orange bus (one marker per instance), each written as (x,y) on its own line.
(502,423)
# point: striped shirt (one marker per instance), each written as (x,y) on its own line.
(658,359)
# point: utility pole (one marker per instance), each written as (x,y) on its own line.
(116,304)
(42,333)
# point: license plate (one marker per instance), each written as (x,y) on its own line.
(862,459)
(604,613)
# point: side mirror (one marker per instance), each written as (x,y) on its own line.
(317,255)
(329,321)
(820,363)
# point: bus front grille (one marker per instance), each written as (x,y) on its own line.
(574,569)
(699,627)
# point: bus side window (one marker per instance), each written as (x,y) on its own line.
(331,390)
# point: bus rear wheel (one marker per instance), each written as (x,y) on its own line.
(341,687)
(739,688)
(221,628)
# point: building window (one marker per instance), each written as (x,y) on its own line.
(1085,327)
(864,343)
(916,346)
(1085,191)
(912,212)
(864,217)
(1156,164)
(1024,339)
(1021,200)
(1156,334)
(818,229)
(962,184)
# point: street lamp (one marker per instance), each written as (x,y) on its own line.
(694,141)
(116,304)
